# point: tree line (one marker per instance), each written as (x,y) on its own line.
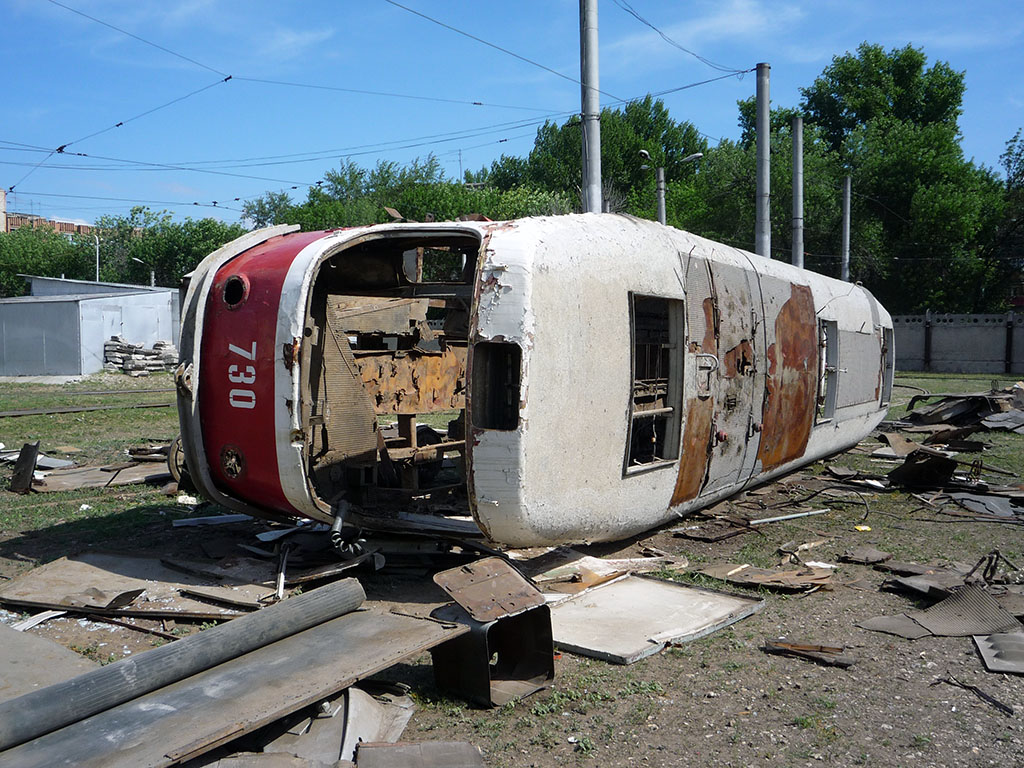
(931,229)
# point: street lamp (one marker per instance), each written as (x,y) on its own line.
(152,272)
(660,178)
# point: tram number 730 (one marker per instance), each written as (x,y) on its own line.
(242,374)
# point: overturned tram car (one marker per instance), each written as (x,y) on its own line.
(599,374)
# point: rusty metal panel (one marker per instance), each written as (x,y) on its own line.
(701,324)
(342,424)
(414,381)
(862,362)
(489,589)
(739,379)
(364,314)
(791,385)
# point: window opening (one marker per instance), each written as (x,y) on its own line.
(828,369)
(888,364)
(656,329)
(495,382)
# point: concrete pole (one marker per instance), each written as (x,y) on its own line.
(97,239)
(844,273)
(591,107)
(762,227)
(152,278)
(660,176)
(798,191)
(3,210)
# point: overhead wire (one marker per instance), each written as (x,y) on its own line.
(310,157)
(632,12)
(140,39)
(416,97)
(489,44)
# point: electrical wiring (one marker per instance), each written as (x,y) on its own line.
(214,204)
(140,39)
(480,40)
(632,12)
(361,91)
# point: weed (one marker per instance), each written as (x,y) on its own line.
(920,740)
(634,687)
(584,746)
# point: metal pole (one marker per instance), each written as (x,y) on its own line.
(591,107)
(762,227)
(660,176)
(844,273)
(798,191)
(97,239)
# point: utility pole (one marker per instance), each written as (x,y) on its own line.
(798,191)
(591,107)
(97,239)
(844,273)
(762,227)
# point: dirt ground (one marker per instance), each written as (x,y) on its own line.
(715,701)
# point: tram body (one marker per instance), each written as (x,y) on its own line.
(600,375)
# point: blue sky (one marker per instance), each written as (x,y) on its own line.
(69,77)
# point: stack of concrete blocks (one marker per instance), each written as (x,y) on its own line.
(133,359)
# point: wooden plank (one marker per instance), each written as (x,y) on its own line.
(191,717)
(21,480)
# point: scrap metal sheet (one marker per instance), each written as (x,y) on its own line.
(192,716)
(1002,652)
(625,620)
(108,584)
(970,611)
(29,662)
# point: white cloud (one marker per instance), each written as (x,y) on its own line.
(734,21)
(283,43)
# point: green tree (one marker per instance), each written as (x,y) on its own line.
(856,89)
(144,240)
(267,209)
(41,251)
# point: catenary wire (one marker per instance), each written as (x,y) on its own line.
(140,39)
(632,12)
(513,54)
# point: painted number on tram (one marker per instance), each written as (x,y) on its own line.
(242,397)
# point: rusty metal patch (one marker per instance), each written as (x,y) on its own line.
(414,382)
(739,360)
(696,449)
(489,589)
(791,384)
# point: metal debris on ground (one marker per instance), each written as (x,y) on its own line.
(117,585)
(489,589)
(828,655)
(803,579)
(968,611)
(30,662)
(634,616)
(126,473)
(1002,651)
(865,556)
(431,754)
(1006,709)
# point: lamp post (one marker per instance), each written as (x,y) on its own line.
(659,175)
(152,272)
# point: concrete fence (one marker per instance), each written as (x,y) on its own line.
(960,343)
